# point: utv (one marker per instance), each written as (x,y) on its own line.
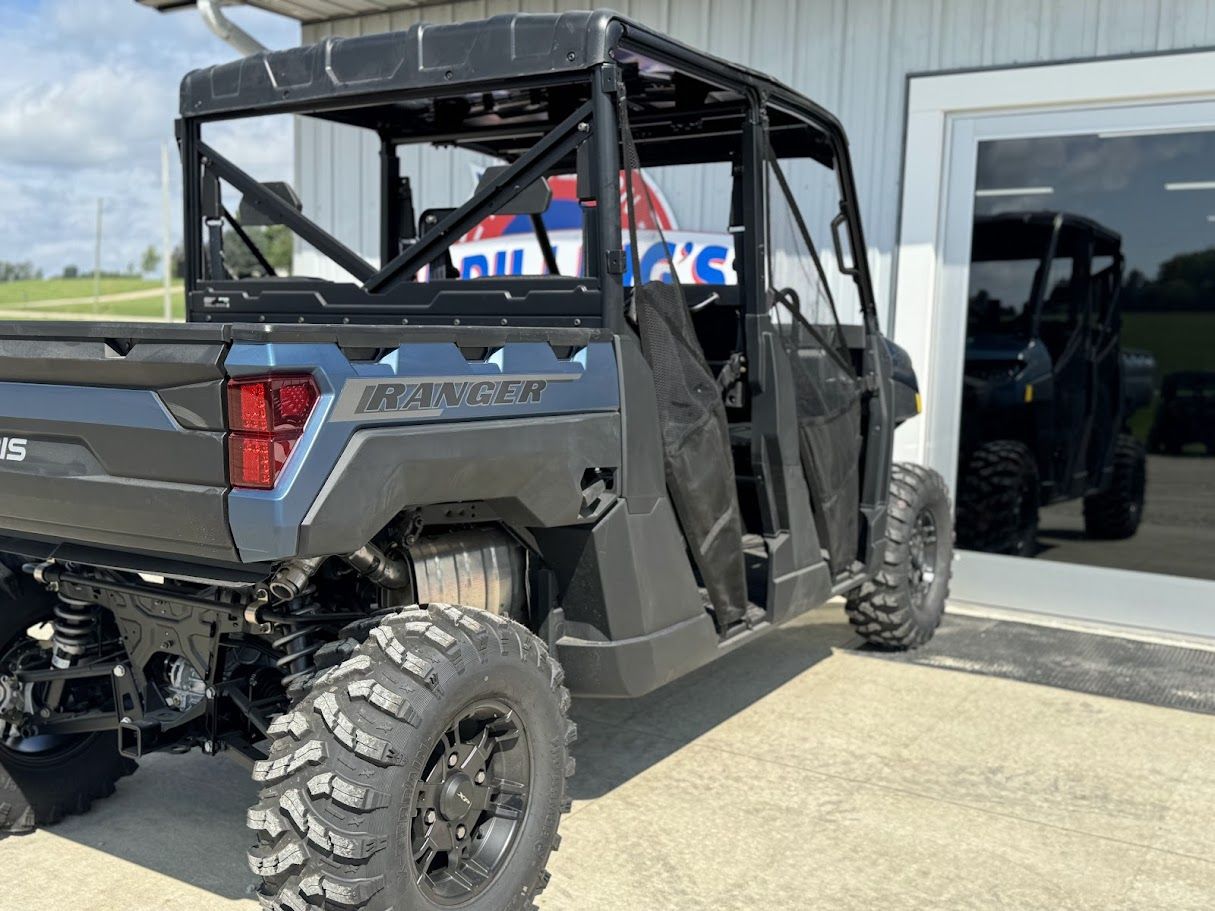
(1185,414)
(369,533)
(1047,388)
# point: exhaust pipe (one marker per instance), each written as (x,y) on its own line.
(292,578)
(368,561)
(482,568)
(381,569)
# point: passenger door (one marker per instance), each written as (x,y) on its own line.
(807,288)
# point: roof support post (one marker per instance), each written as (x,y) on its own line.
(609,258)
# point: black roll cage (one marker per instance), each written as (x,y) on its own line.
(590,135)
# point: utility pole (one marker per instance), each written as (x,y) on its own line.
(167,237)
(97,261)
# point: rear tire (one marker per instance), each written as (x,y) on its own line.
(1115,512)
(38,787)
(901,607)
(998,500)
(361,808)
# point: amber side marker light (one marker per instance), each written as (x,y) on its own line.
(266,416)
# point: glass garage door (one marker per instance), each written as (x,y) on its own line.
(1085,461)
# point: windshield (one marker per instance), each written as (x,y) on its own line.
(1001,291)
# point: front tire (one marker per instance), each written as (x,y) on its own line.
(901,606)
(1115,512)
(43,779)
(426,770)
(998,500)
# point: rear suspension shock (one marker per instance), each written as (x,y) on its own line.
(74,629)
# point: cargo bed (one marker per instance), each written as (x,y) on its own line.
(125,430)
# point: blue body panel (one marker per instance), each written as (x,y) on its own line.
(413,384)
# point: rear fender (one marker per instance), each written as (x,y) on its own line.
(423,425)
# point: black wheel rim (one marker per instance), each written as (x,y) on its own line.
(922,548)
(1138,489)
(471,803)
(1026,540)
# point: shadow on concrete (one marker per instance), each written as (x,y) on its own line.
(180,816)
(616,739)
(184,816)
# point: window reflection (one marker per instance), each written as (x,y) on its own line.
(1089,385)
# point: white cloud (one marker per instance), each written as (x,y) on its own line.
(88,93)
(92,117)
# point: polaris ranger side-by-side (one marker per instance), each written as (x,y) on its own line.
(369,535)
(1048,387)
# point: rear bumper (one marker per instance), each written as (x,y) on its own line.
(122,432)
(119,514)
(114,468)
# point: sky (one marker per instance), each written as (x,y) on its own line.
(88,93)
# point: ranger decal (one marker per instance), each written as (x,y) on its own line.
(430,397)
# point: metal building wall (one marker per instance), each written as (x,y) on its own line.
(853,56)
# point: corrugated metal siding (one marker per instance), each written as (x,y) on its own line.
(852,56)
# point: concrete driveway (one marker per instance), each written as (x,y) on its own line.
(1176,535)
(791,775)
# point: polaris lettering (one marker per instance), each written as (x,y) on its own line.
(12,449)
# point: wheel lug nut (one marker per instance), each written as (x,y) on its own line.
(430,816)
(452,759)
(461,831)
(479,778)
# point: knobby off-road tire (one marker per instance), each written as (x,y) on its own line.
(43,780)
(901,606)
(998,500)
(366,778)
(1115,512)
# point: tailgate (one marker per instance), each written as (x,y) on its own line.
(113,436)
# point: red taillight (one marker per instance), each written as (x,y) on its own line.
(272,404)
(266,416)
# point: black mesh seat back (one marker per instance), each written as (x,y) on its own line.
(829,420)
(696,446)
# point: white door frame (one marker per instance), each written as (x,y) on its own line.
(948,114)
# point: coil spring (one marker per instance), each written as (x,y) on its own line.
(295,662)
(73,627)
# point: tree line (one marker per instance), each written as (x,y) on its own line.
(274,242)
(1184,282)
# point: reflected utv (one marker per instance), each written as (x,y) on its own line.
(1185,414)
(1048,387)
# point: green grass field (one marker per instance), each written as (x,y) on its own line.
(1178,341)
(134,309)
(38,297)
(62,288)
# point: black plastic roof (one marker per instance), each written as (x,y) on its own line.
(421,59)
(1013,235)
(478,54)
